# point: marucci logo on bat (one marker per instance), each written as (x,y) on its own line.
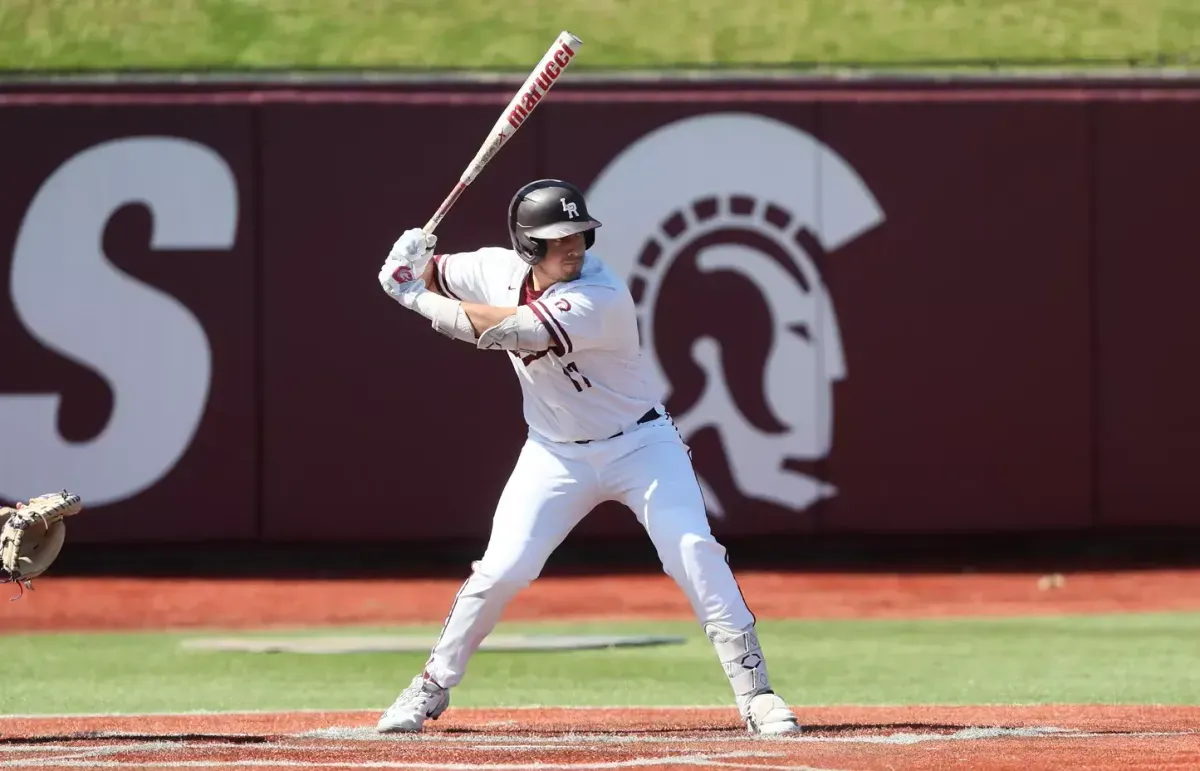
(543,81)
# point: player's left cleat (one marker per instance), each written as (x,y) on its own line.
(768,715)
(422,699)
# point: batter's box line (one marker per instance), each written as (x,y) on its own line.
(166,743)
(374,711)
(718,760)
(73,755)
(87,736)
(360,734)
(357,734)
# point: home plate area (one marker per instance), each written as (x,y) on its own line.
(856,738)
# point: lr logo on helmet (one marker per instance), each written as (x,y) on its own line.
(571,208)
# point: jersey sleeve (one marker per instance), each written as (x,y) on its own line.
(461,275)
(575,320)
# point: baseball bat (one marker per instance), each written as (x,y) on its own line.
(547,72)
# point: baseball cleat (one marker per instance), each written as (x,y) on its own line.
(767,715)
(420,700)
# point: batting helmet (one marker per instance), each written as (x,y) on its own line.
(545,209)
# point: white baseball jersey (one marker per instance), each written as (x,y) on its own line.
(593,382)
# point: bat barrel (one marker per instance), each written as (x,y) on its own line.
(535,88)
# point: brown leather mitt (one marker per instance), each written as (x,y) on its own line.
(32,535)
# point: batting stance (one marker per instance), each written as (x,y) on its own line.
(597,431)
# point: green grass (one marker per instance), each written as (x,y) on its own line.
(1132,659)
(113,34)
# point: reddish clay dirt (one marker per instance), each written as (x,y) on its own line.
(134,603)
(863,739)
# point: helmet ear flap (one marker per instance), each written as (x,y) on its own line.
(531,250)
(589,238)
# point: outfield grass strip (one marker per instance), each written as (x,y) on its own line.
(458,34)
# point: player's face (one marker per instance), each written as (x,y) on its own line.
(564,258)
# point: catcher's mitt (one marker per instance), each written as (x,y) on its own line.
(32,535)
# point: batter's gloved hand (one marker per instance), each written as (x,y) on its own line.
(406,263)
(32,535)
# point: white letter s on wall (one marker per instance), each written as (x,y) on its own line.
(151,350)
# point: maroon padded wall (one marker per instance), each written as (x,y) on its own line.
(990,286)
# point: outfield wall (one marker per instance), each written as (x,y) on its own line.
(903,309)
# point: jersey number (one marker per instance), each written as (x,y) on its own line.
(567,370)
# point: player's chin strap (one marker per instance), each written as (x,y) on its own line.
(742,659)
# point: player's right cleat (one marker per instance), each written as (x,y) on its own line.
(767,714)
(420,700)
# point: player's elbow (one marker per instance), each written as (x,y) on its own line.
(430,277)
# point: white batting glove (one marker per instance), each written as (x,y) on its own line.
(416,246)
(398,280)
(401,273)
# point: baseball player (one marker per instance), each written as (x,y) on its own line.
(598,431)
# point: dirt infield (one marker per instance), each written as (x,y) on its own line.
(139,603)
(859,739)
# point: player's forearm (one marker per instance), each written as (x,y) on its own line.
(485,316)
(504,328)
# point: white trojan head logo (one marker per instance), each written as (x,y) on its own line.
(571,208)
(737,203)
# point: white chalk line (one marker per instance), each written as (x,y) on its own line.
(74,754)
(359,734)
(519,747)
(359,710)
(720,764)
(690,759)
(136,746)
(349,738)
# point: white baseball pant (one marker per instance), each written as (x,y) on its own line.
(552,487)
